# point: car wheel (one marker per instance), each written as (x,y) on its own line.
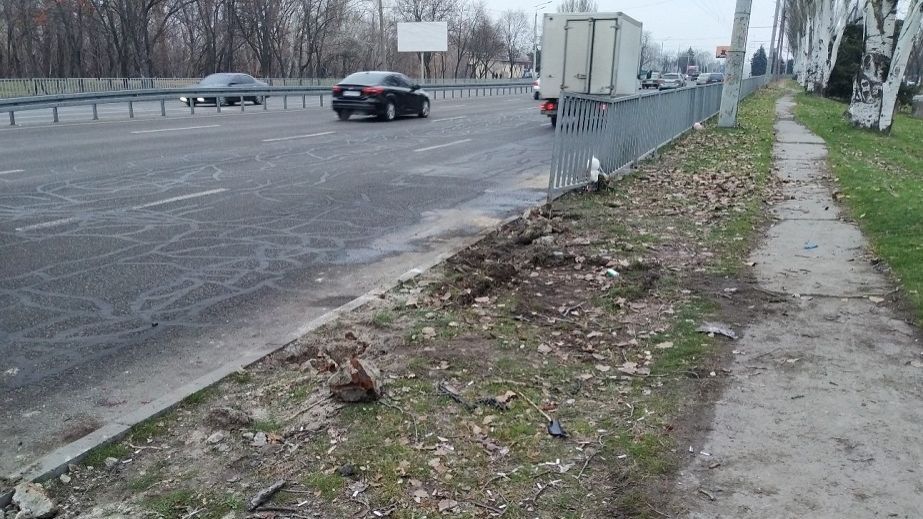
(344,114)
(554,121)
(424,112)
(535,95)
(256,100)
(390,112)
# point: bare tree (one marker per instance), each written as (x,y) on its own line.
(650,51)
(578,6)
(513,30)
(485,46)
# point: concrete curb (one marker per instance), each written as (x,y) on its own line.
(55,463)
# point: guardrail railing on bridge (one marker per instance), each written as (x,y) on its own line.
(621,131)
(228,97)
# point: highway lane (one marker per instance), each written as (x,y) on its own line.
(139,255)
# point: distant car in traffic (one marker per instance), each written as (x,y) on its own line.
(537,88)
(386,95)
(672,80)
(225,81)
(652,80)
(708,78)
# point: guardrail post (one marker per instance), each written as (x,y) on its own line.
(242,103)
(191,106)
(54,113)
(304,101)
(265,104)
(163,108)
(218,102)
(12,119)
(131,110)
(95,113)
(285,102)
(322,100)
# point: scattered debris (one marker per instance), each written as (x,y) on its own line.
(877,300)
(347,471)
(717,329)
(612,273)
(110,462)
(707,494)
(447,504)
(356,381)
(810,246)
(64,478)
(265,495)
(259,440)
(32,501)
(228,418)
(555,429)
(216,437)
(453,393)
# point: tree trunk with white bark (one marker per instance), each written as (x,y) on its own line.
(866,106)
(910,34)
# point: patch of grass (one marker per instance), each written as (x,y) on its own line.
(241,377)
(147,430)
(183,502)
(147,480)
(880,177)
(383,319)
(267,426)
(97,457)
(199,397)
(329,485)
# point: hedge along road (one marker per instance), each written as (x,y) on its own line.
(141,255)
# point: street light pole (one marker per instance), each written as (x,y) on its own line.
(535,38)
(730,96)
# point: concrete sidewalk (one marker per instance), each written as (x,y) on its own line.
(823,415)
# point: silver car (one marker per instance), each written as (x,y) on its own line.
(673,80)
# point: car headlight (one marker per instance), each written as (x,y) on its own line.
(200,99)
(183,99)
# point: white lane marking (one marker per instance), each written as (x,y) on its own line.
(450,118)
(179,198)
(10,171)
(176,129)
(297,137)
(443,145)
(53,223)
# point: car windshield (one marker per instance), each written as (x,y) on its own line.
(365,78)
(671,76)
(217,79)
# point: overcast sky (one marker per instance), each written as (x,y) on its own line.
(702,24)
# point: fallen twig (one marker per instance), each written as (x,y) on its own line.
(488,507)
(142,447)
(265,495)
(707,494)
(586,463)
(413,420)
(537,408)
(308,407)
(193,513)
(454,395)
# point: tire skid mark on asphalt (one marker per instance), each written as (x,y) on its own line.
(292,137)
(136,132)
(65,221)
(428,148)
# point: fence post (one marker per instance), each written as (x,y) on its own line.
(163,108)
(95,113)
(12,119)
(54,113)
(131,110)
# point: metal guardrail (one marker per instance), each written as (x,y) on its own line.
(237,96)
(25,87)
(619,132)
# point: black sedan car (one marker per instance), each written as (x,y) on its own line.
(387,95)
(225,81)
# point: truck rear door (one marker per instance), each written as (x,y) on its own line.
(577,49)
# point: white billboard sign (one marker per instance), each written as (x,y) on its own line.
(422,36)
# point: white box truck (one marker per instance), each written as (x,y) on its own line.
(588,53)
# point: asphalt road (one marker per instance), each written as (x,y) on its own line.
(136,256)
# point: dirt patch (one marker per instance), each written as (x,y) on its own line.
(584,314)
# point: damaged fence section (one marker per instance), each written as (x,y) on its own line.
(621,131)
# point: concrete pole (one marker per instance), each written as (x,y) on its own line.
(383,54)
(772,41)
(779,69)
(730,96)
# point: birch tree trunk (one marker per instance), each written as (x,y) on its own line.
(840,26)
(910,35)
(865,107)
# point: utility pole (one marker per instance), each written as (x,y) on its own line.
(382,53)
(782,66)
(772,40)
(730,96)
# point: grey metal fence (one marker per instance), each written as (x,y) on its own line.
(196,98)
(618,132)
(57,86)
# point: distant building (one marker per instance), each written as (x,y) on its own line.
(499,68)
